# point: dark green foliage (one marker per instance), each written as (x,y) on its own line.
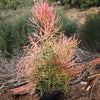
(50,1)
(68,26)
(1,5)
(13,33)
(92,32)
(14,4)
(82,4)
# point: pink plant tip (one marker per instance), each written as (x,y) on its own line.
(43,14)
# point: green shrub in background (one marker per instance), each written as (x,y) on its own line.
(8,4)
(11,4)
(50,1)
(82,4)
(91,38)
(13,32)
(68,26)
(1,5)
(14,4)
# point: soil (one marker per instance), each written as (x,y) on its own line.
(76,92)
(10,96)
(80,16)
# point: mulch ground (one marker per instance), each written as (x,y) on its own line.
(86,89)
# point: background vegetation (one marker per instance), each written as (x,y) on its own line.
(81,4)
(14,28)
(91,38)
(13,32)
(68,26)
(14,4)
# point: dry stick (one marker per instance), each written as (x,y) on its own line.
(90,63)
(94,76)
(5,87)
(93,84)
(80,77)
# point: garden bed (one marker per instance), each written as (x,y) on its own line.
(80,88)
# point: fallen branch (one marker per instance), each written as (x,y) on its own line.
(95,61)
(22,89)
(93,76)
(93,85)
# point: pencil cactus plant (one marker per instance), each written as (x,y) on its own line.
(49,62)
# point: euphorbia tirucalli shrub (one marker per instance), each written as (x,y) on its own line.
(49,62)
